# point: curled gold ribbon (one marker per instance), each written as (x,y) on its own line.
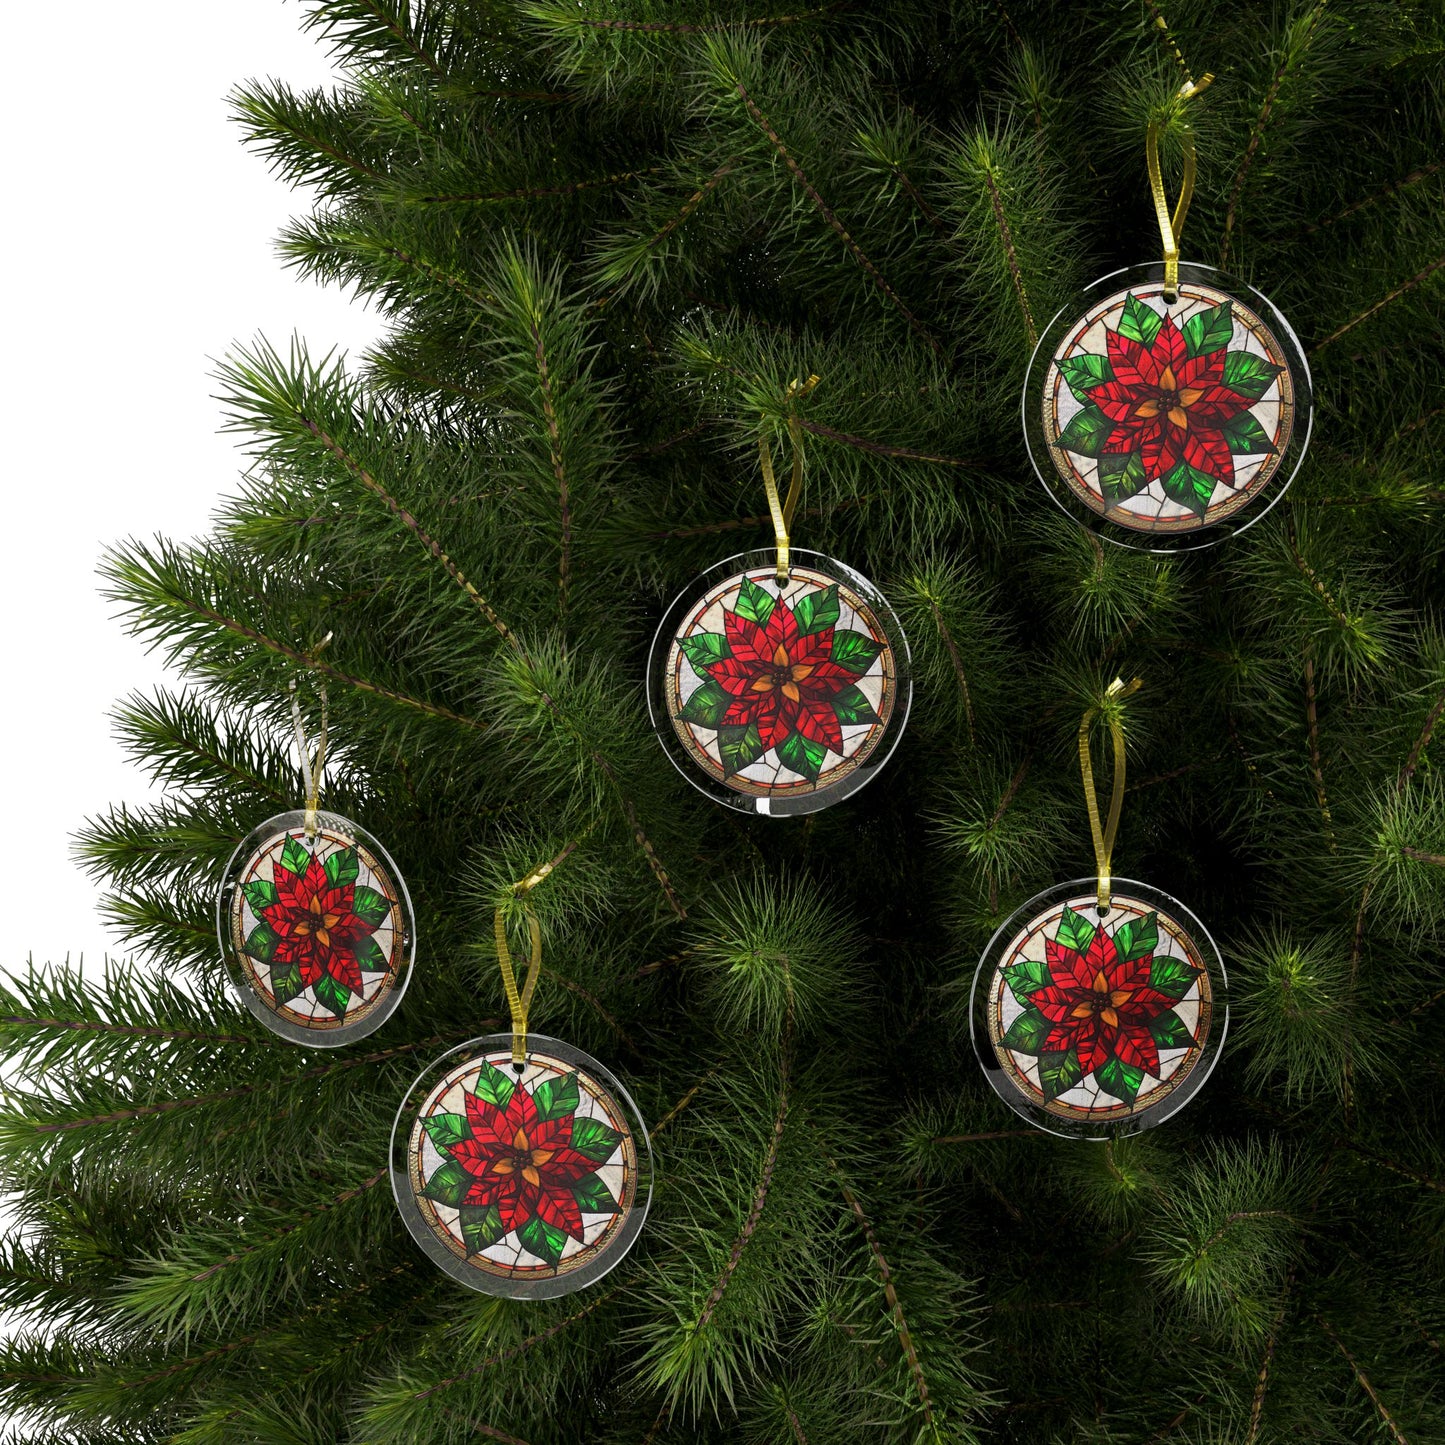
(519,1000)
(1171,227)
(783,509)
(1105,833)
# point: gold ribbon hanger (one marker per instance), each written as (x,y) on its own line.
(312,764)
(1105,834)
(1171,226)
(519,1000)
(783,510)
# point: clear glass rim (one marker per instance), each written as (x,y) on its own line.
(1150,1115)
(1212,534)
(289,822)
(798,804)
(544,1286)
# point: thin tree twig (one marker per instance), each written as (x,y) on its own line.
(1417,279)
(1363,1382)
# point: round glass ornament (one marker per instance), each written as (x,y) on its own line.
(526,1184)
(1093,1026)
(1167,425)
(316,930)
(779,699)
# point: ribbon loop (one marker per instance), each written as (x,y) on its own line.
(783,510)
(519,1000)
(1105,834)
(1171,226)
(311,764)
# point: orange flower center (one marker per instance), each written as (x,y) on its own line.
(1102,1002)
(1171,399)
(523,1159)
(783,674)
(317,924)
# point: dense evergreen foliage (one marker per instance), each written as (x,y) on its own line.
(608,235)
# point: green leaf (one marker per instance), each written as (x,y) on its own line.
(481,1228)
(294,857)
(556,1098)
(369,905)
(817,610)
(851,706)
(1137,938)
(262,942)
(1248,374)
(594,1140)
(1244,434)
(1026,1034)
(1210,330)
(854,650)
(739,747)
(704,648)
(447,1129)
(342,867)
(1121,477)
(1058,1073)
(332,995)
(802,755)
(1083,373)
(754,603)
(594,1197)
(1170,1031)
(1120,1079)
(541,1239)
(1140,322)
(260,894)
(1189,487)
(1026,977)
(1087,431)
(448,1185)
(1171,975)
(1075,931)
(369,957)
(494,1086)
(286,983)
(707,705)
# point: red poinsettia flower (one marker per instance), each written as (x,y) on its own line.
(317,927)
(1167,406)
(1101,1005)
(520,1159)
(783,680)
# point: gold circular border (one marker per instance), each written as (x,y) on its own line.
(248,964)
(1216,512)
(589,1252)
(1087,904)
(833,775)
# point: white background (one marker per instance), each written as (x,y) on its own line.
(138,248)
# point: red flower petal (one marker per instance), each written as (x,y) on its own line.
(1216,405)
(483,1117)
(343,967)
(566,1166)
(518,1201)
(521,1112)
(1142,1005)
(1160,449)
(1202,370)
(782,629)
(1126,358)
(556,1206)
(748,641)
(1094,1053)
(486,1189)
(819,723)
(477,1155)
(1118,400)
(736,676)
(778,723)
(1168,350)
(1137,1047)
(1056,1003)
(1207,451)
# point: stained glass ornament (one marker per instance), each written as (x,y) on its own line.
(779,698)
(1095,1025)
(527,1181)
(316,928)
(1167,425)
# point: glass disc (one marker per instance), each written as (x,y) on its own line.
(317,933)
(779,700)
(1167,425)
(527,1185)
(1095,1026)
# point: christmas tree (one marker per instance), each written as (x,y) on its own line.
(619,243)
